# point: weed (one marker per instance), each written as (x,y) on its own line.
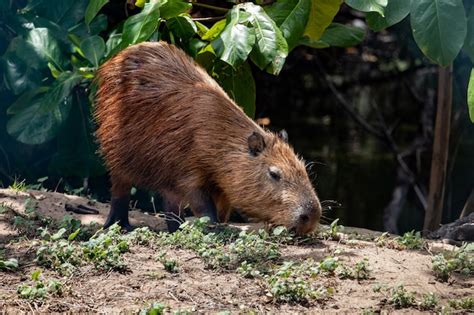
(428,302)
(9,264)
(332,232)
(248,270)
(105,249)
(460,260)
(294,282)
(170,265)
(141,236)
(39,184)
(401,298)
(329,265)
(360,271)
(39,289)
(462,304)
(17,185)
(3,208)
(410,240)
(382,240)
(58,253)
(154,309)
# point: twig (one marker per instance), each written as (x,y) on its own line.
(208,6)
(210,18)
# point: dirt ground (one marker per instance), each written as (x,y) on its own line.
(196,288)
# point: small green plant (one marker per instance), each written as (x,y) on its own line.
(3,208)
(39,184)
(18,185)
(463,304)
(170,265)
(40,288)
(9,264)
(410,240)
(58,253)
(360,271)
(332,232)
(329,265)
(294,282)
(154,309)
(141,236)
(105,249)
(429,301)
(460,260)
(248,270)
(382,240)
(401,298)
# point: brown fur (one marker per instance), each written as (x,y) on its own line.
(166,125)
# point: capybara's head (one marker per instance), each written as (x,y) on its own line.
(275,186)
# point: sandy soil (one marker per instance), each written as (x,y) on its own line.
(199,289)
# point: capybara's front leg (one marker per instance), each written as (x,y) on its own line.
(203,205)
(119,205)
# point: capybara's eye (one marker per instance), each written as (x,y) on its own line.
(275,173)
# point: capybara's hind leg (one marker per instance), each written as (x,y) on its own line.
(203,205)
(173,213)
(119,205)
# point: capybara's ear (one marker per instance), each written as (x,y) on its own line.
(256,143)
(283,135)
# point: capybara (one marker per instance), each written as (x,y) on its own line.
(165,125)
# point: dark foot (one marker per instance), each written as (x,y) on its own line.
(119,214)
(173,221)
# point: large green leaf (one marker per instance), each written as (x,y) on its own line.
(470,96)
(291,16)
(265,48)
(98,24)
(322,13)
(65,13)
(18,75)
(235,42)
(469,43)
(439,28)
(93,8)
(45,46)
(240,86)
(183,26)
(395,11)
(93,49)
(369,5)
(26,99)
(40,121)
(172,8)
(215,30)
(140,27)
(340,35)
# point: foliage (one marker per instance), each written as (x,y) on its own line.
(58,253)
(40,288)
(410,240)
(401,298)
(50,61)
(105,249)
(9,264)
(154,309)
(429,301)
(360,271)
(170,265)
(332,232)
(460,260)
(294,282)
(466,303)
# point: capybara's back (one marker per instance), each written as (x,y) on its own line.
(164,124)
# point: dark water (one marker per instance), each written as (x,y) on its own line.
(352,166)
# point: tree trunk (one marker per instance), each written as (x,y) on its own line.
(440,150)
